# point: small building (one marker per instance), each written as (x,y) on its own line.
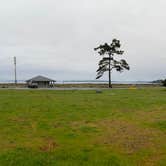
(41,82)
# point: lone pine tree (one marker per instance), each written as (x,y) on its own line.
(108,62)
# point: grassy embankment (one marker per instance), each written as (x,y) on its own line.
(116,127)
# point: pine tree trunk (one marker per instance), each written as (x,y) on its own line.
(110,85)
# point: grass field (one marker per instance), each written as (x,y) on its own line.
(82,128)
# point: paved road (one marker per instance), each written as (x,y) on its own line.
(54,89)
(71,88)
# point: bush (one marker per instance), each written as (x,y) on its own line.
(164,82)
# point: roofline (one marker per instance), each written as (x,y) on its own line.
(49,80)
(41,81)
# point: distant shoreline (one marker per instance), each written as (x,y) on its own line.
(85,82)
(84,85)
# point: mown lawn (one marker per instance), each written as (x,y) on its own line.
(82,128)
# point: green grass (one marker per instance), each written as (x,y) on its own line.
(72,128)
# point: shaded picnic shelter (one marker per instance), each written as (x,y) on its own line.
(41,81)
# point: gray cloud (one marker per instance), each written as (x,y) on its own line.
(57,37)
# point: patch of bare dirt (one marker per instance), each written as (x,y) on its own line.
(153,159)
(152,116)
(127,136)
(49,145)
(18,119)
(81,123)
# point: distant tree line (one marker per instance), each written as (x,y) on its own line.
(163,82)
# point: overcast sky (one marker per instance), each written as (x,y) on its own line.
(56,38)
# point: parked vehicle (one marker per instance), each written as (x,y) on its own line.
(33,85)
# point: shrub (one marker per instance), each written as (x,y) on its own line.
(164,82)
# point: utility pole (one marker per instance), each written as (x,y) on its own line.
(15,70)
